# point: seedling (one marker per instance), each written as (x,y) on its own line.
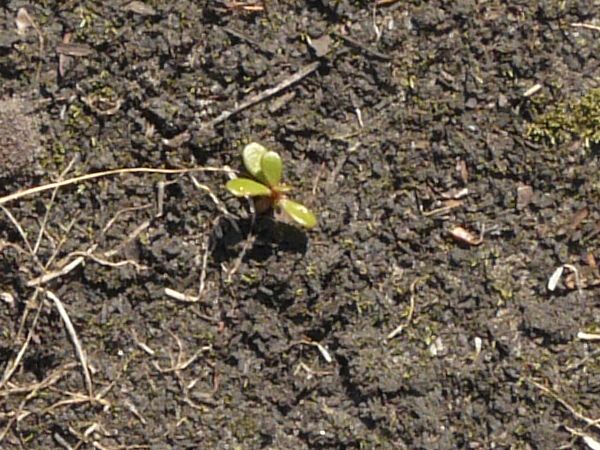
(265,167)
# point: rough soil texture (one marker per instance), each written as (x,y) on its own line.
(417,315)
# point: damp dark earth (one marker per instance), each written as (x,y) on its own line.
(448,296)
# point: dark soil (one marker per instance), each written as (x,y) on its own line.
(416,315)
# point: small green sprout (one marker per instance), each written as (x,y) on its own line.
(266,168)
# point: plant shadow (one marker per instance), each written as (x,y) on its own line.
(271,237)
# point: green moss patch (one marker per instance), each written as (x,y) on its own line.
(579,119)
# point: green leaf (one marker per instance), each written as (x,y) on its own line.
(252,155)
(298,212)
(243,187)
(271,167)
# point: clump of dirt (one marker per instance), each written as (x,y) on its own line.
(20,137)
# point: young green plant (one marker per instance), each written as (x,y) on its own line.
(265,167)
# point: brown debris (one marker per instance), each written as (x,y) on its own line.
(590,260)
(463,171)
(578,218)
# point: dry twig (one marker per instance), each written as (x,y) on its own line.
(586,25)
(261,96)
(106,173)
(73,334)
(595,423)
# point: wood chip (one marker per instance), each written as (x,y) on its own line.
(74,49)
(448,205)
(465,236)
(554,278)
(23,21)
(180,296)
(139,8)
(324,353)
(532,90)
(524,196)
(320,45)
(64,61)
